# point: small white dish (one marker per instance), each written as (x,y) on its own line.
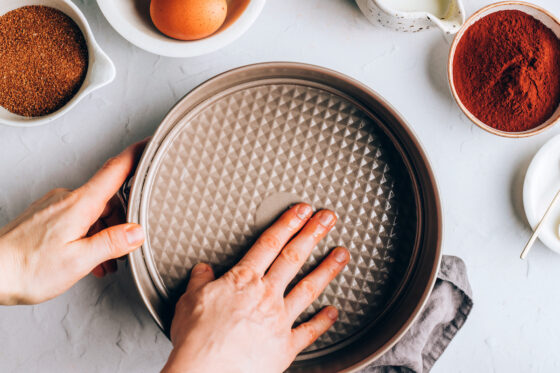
(542,182)
(382,12)
(131,19)
(101,70)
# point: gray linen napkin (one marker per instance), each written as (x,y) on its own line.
(445,313)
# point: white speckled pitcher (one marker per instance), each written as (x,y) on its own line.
(380,12)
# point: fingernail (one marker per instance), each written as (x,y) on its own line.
(134,235)
(332,313)
(303,211)
(340,255)
(326,218)
(199,269)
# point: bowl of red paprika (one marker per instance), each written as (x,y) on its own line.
(504,69)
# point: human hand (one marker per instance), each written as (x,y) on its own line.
(242,322)
(66,234)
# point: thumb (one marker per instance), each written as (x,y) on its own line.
(106,182)
(201,274)
(110,243)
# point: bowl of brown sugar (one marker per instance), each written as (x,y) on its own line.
(49,61)
(504,69)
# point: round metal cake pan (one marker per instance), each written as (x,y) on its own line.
(241,147)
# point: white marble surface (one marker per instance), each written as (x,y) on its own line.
(101,326)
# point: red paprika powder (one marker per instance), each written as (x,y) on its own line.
(506,71)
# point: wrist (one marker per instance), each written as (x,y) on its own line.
(174,364)
(182,361)
(10,286)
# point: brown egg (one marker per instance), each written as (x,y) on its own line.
(188,19)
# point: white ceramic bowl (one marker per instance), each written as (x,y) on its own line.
(101,70)
(131,19)
(537,12)
(542,182)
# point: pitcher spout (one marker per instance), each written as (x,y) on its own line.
(453,19)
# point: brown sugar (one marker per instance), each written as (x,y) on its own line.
(43,60)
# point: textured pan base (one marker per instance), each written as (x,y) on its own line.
(236,161)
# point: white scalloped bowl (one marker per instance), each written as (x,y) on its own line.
(131,19)
(101,70)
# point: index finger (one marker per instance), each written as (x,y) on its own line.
(106,182)
(271,242)
(292,257)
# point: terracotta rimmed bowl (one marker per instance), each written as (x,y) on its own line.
(239,149)
(537,12)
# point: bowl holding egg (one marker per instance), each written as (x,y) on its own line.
(181,28)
